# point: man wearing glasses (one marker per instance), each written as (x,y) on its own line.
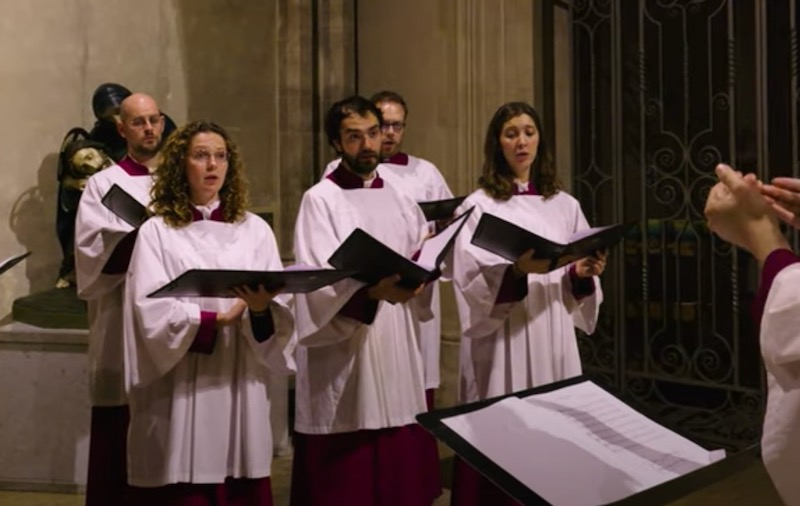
(103,244)
(422,181)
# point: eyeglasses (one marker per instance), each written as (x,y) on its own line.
(143,121)
(397,126)
(220,157)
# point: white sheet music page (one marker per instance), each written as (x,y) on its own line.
(433,247)
(579,435)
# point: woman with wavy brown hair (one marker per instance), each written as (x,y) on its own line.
(197,375)
(518,319)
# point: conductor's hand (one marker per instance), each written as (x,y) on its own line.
(592,265)
(738,212)
(784,197)
(257,300)
(388,290)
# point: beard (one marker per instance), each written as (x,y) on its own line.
(144,151)
(360,166)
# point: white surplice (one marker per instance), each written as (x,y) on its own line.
(196,417)
(513,346)
(97,233)
(350,375)
(422,181)
(780,348)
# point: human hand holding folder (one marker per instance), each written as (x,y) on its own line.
(514,243)
(257,299)
(390,290)
(222,282)
(373,262)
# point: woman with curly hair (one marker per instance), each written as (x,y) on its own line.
(197,375)
(518,319)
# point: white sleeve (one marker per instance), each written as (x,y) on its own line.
(780,337)
(316,313)
(586,310)
(97,233)
(158,332)
(478,276)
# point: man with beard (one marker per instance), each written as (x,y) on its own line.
(103,244)
(359,371)
(422,181)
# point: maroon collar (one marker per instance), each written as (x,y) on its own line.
(529,190)
(216,214)
(398,158)
(132,167)
(347,180)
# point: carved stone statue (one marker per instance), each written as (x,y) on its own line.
(82,154)
(80,157)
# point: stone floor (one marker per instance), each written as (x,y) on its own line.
(748,487)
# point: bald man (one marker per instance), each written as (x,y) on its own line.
(745,213)
(103,244)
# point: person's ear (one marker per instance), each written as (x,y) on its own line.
(120,126)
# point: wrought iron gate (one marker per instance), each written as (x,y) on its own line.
(663,91)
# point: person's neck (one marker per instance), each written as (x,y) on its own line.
(523,176)
(204,200)
(150,162)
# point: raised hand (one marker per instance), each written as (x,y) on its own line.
(738,212)
(784,197)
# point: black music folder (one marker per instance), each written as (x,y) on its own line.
(121,203)
(12,261)
(435,210)
(510,241)
(371,260)
(579,445)
(218,283)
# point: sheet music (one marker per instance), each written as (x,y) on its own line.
(579,434)
(433,247)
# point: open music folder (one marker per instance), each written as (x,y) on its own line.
(371,260)
(121,203)
(574,443)
(218,283)
(435,210)
(510,241)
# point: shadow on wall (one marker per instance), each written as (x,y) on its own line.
(33,221)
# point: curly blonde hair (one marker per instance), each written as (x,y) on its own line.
(498,179)
(170,197)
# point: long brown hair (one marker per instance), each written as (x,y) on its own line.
(498,179)
(170,197)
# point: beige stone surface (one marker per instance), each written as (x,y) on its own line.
(54,54)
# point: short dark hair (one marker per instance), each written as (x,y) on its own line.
(389,96)
(343,109)
(498,178)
